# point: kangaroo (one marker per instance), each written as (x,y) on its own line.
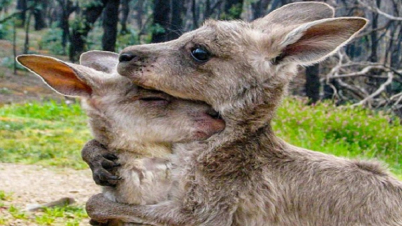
(137,125)
(245,175)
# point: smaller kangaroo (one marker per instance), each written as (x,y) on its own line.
(245,175)
(136,124)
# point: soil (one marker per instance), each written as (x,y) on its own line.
(32,185)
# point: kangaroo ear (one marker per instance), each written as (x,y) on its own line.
(312,42)
(65,78)
(295,13)
(100,60)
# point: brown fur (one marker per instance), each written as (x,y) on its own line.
(139,131)
(245,175)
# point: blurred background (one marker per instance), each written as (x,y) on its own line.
(348,105)
(367,72)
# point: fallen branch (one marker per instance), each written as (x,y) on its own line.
(377,10)
(364,71)
(390,76)
(396,104)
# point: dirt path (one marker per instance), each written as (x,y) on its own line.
(31,185)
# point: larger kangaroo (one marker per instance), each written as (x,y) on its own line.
(245,175)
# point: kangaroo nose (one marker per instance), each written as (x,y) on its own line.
(125,57)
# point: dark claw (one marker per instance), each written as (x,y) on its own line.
(105,178)
(106,164)
(110,156)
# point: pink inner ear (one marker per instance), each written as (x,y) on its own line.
(57,75)
(315,39)
(321,39)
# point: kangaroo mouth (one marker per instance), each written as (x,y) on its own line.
(150,95)
(153,96)
(214,114)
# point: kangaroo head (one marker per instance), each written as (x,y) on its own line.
(241,69)
(121,113)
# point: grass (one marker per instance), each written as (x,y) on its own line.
(53,133)
(49,134)
(349,132)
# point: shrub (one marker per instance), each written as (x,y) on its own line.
(52,41)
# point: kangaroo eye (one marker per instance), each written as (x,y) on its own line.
(200,54)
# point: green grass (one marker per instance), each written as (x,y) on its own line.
(69,215)
(5,196)
(53,133)
(349,132)
(50,134)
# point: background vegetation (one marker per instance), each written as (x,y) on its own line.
(367,72)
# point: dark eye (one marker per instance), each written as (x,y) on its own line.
(200,54)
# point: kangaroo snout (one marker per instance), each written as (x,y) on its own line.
(136,58)
(126,57)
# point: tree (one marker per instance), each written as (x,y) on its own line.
(110,20)
(161,17)
(313,83)
(125,10)
(22,6)
(82,25)
(232,9)
(66,9)
(168,20)
(176,19)
(39,14)
(259,8)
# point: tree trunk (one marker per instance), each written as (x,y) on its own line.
(161,17)
(176,23)
(374,41)
(140,11)
(22,7)
(66,8)
(15,46)
(39,14)
(194,13)
(397,52)
(125,10)
(259,8)
(79,32)
(313,83)
(27,25)
(110,20)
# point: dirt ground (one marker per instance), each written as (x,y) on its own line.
(32,185)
